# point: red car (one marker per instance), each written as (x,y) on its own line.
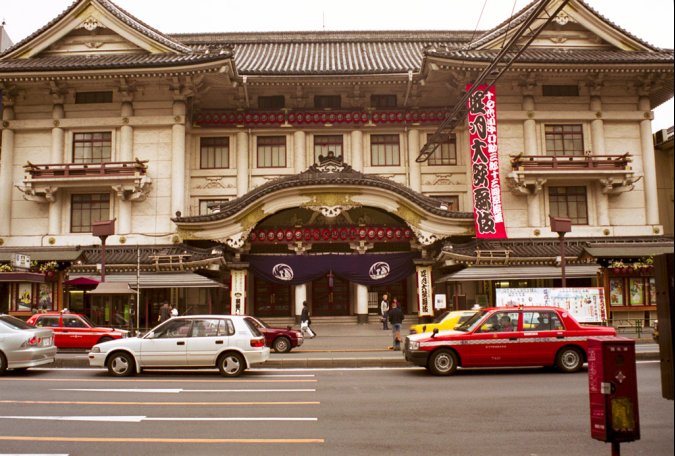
(280,339)
(73,330)
(506,336)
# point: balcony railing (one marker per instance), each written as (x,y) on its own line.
(594,162)
(129,180)
(77,170)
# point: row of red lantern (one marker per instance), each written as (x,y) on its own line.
(330,117)
(381,234)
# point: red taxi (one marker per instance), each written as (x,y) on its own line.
(73,330)
(506,336)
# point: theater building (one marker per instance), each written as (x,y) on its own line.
(249,172)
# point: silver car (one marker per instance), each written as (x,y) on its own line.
(227,342)
(23,346)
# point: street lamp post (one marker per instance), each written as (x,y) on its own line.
(561,226)
(102,230)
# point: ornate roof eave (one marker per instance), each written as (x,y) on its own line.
(221,65)
(57,27)
(271,79)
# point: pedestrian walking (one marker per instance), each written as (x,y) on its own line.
(384,311)
(306,321)
(396,318)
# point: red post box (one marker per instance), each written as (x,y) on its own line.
(612,384)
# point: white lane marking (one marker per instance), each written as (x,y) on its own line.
(138,419)
(180,390)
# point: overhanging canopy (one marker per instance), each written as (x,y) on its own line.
(157,280)
(519,272)
(112,288)
(52,254)
(628,251)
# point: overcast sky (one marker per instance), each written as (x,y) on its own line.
(650,20)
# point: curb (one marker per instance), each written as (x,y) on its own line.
(80,362)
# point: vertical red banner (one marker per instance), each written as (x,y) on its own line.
(485,183)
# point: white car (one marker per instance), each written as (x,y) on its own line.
(23,346)
(227,342)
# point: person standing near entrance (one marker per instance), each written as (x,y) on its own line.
(164,312)
(384,311)
(396,318)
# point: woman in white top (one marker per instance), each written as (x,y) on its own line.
(384,311)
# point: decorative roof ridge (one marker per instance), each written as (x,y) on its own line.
(322,36)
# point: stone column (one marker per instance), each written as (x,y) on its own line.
(126,154)
(414,168)
(530,148)
(178,173)
(599,148)
(357,150)
(361,303)
(300,297)
(242,163)
(6,167)
(56,156)
(648,164)
(299,155)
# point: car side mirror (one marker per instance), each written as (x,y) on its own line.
(434,332)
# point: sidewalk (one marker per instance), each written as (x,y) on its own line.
(346,345)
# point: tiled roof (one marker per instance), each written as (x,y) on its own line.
(314,177)
(562,56)
(129,255)
(533,249)
(117,61)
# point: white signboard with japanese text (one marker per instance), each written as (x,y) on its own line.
(440,301)
(587,305)
(20,261)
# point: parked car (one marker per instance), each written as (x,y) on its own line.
(72,330)
(229,342)
(282,340)
(23,346)
(506,336)
(445,320)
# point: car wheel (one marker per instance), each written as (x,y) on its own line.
(121,364)
(104,339)
(231,364)
(282,345)
(443,362)
(3,363)
(569,359)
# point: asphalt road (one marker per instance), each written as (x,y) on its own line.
(527,412)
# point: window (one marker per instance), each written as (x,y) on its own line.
(560,90)
(569,202)
(383,101)
(325,143)
(451,201)
(271,102)
(564,140)
(92,147)
(214,153)
(271,151)
(445,153)
(327,102)
(541,321)
(210,206)
(93,97)
(87,209)
(384,150)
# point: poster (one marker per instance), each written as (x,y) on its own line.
(45,296)
(485,184)
(616,291)
(25,297)
(424,291)
(440,301)
(587,305)
(637,291)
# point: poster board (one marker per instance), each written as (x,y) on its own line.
(587,305)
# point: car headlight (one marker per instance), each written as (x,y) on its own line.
(413,345)
(95,349)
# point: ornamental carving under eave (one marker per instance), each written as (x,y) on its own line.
(251,218)
(562,18)
(330,205)
(91,24)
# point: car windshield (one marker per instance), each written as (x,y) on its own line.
(254,330)
(469,324)
(441,316)
(14,323)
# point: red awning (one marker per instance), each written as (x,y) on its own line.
(81,281)
(34,277)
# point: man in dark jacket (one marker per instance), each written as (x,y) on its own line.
(396,318)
